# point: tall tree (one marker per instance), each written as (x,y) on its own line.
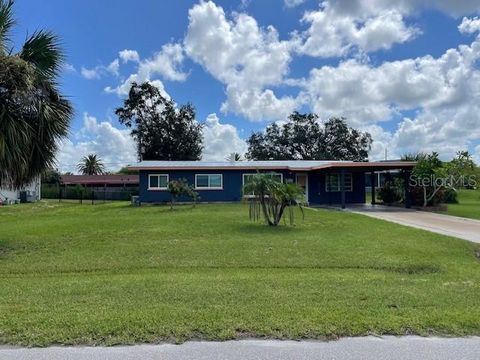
(162,130)
(34,115)
(91,165)
(302,137)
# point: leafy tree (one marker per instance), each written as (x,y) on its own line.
(302,137)
(178,188)
(126,171)
(34,115)
(51,176)
(424,178)
(91,165)
(272,198)
(234,157)
(462,167)
(392,191)
(162,131)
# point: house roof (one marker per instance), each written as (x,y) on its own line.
(293,165)
(100,179)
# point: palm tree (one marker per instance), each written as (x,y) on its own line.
(234,157)
(272,198)
(91,165)
(34,116)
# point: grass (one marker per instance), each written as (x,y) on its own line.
(113,274)
(468,204)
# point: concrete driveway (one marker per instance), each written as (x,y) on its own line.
(367,348)
(462,228)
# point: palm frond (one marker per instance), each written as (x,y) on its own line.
(6,23)
(42,49)
(34,116)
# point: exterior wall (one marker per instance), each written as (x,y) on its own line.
(34,188)
(232,186)
(318,195)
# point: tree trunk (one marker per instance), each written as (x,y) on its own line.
(279,214)
(265,211)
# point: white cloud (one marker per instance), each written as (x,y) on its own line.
(246,58)
(113,67)
(69,68)
(258,105)
(376,93)
(166,63)
(129,55)
(469,25)
(100,70)
(441,92)
(365,7)
(114,146)
(332,33)
(90,74)
(220,140)
(293,3)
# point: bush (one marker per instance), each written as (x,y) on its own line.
(390,193)
(418,196)
(450,196)
(178,188)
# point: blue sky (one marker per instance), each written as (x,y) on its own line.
(405,72)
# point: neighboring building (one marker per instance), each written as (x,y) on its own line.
(27,193)
(223,181)
(106,187)
(101,181)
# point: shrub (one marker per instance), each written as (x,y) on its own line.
(180,187)
(450,196)
(390,192)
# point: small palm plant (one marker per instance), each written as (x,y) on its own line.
(271,198)
(91,165)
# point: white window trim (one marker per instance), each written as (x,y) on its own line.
(339,185)
(158,188)
(267,173)
(208,187)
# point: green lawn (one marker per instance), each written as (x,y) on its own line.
(110,274)
(468,204)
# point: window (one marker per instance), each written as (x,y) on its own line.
(248,177)
(333,182)
(209,181)
(157,182)
(275,176)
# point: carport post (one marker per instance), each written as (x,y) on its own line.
(408,194)
(342,184)
(372,179)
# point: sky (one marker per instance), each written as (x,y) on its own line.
(407,71)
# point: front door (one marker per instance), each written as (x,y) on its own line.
(302,181)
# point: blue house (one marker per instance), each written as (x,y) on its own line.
(324,182)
